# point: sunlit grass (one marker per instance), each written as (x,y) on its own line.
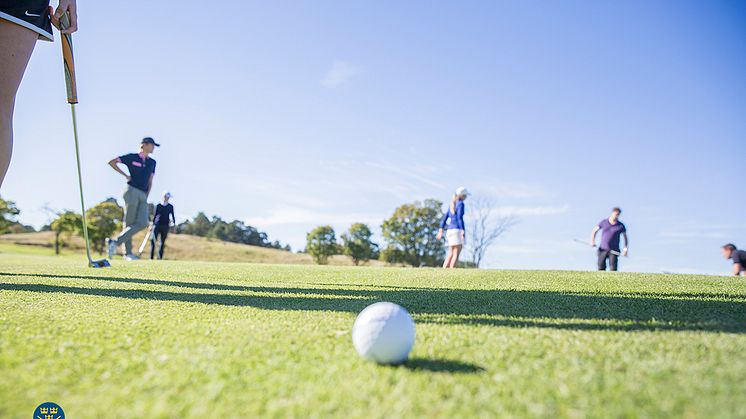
(208,339)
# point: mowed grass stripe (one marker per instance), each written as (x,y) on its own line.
(229,340)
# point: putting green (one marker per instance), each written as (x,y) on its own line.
(176,339)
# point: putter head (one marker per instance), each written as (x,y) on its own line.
(101,263)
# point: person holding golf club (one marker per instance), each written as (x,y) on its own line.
(21,24)
(611,229)
(139,182)
(162,218)
(737,256)
(453,223)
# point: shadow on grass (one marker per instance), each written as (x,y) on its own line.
(441,365)
(506,308)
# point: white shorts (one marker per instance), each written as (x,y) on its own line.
(453,237)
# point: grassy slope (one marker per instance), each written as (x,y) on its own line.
(179,247)
(177,339)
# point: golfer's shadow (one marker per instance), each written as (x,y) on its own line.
(441,365)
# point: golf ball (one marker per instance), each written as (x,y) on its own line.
(383,333)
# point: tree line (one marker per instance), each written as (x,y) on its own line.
(8,219)
(409,236)
(105,219)
(234,231)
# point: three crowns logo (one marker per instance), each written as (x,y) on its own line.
(49,411)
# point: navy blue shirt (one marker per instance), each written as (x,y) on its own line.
(140,170)
(162,214)
(739,256)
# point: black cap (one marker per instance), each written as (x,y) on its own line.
(148,140)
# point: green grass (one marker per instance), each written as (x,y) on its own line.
(177,339)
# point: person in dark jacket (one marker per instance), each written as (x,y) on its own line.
(738,257)
(162,219)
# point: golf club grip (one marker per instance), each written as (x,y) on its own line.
(68,60)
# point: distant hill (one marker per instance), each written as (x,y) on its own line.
(178,247)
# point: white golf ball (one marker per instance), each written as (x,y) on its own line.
(383,333)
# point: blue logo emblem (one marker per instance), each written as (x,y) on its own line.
(49,410)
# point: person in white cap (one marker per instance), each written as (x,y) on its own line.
(453,222)
(162,218)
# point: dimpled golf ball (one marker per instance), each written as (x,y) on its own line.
(383,333)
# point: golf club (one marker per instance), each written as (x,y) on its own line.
(145,240)
(613,252)
(72,99)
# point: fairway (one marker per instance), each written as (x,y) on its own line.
(177,339)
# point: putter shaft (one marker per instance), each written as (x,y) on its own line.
(80,183)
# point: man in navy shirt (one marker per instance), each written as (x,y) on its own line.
(738,257)
(611,228)
(139,182)
(162,218)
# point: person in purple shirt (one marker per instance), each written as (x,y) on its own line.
(611,229)
(453,221)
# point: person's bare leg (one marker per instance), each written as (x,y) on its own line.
(454,255)
(16,45)
(447,262)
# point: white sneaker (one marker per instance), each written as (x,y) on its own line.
(131,257)
(111,247)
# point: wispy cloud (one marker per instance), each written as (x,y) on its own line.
(341,72)
(417,173)
(508,190)
(297,215)
(532,210)
(689,231)
(693,234)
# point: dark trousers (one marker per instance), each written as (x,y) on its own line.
(606,254)
(162,232)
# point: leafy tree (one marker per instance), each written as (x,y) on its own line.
(357,243)
(8,213)
(200,226)
(103,220)
(235,231)
(66,224)
(410,235)
(17,228)
(321,243)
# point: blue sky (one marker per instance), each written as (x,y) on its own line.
(293,114)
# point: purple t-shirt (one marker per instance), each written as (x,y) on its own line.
(610,234)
